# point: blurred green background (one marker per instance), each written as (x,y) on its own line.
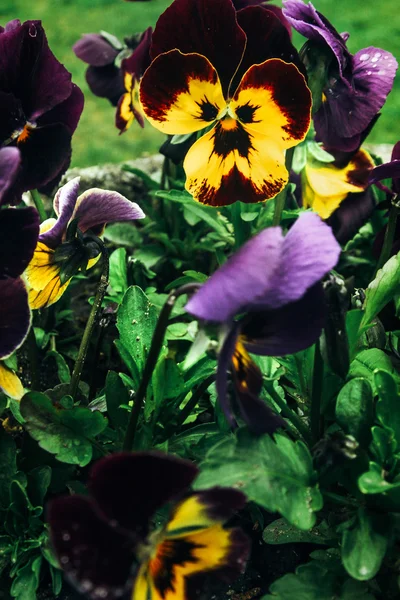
(97,141)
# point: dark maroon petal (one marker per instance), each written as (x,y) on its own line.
(99,560)
(140,59)
(220,503)
(389,170)
(15,316)
(30,71)
(286,330)
(106,82)
(257,415)
(10,161)
(129,488)
(314,26)
(13,118)
(95,50)
(203,27)
(223,369)
(266,38)
(352,214)
(66,113)
(19,230)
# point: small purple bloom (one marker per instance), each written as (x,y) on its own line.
(40,106)
(356,87)
(275,282)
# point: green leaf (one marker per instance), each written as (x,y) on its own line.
(382,289)
(8,466)
(150,254)
(354,409)
(388,406)
(353,322)
(38,483)
(367,361)
(123,234)
(373,482)
(118,272)
(282,532)
(364,544)
(136,321)
(63,371)
(318,153)
(167,382)
(116,395)
(276,473)
(65,433)
(26,582)
(383,445)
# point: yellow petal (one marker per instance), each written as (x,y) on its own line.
(10,384)
(43,278)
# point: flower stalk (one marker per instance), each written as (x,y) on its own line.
(91,322)
(38,202)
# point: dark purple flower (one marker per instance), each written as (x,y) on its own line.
(274,281)
(356,87)
(240,4)
(40,106)
(19,229)
(103,540)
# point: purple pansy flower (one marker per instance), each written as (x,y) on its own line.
(103,539)
(357,85)
(274,283)
(19,229)
(239,4)
(56,254)
(40,106)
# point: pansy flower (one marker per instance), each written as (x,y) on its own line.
(356,87)
(234,78)
(239,4)
(273,285)
(19,229)
(129,107)
(59,255)
(40,106)
(107,548)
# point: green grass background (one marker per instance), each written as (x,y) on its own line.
(96,139)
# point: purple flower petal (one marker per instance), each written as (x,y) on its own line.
(312,25)
(106,82)
(97,207)
(95,50)
(129,488)
(257,415)
(64,205)
(286,330)
(238,283)
(140,59)
(389,170)
(309,252)
(97,558)
(223,369)
(15,316)
(10,161)
(19,230)
(352,214)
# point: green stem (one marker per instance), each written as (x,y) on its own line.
(280,200)
(239,226)
(33,359)
(38,202)
(91,322)
(290,414)
(389,237)
(191,404)
(164,183)
(156,345)
(316,394)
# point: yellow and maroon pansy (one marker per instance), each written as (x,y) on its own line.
(326,185)
(238,82)
(91,211)
(105,544)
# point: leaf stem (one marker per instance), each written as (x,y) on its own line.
(155,348)
(389,236)
(38,202)
(240,227)
(316,394)
(289,414)
(280,199)
(91,322)
(192,402)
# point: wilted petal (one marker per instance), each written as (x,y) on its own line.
(204,509)
(206,28)
(10,161)
(286,330)
(15,316)
(95,50)
(96,207)
(19,230)
(181,93)
(64,205)
(97,558)
(241,280)
(177,560)
(129,488)
(325,185)
(10,383)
